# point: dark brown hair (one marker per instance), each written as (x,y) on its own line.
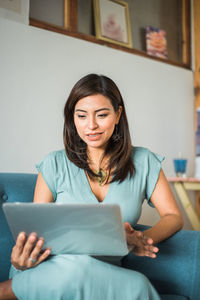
(119,146)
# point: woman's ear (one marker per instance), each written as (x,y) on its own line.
(119,112)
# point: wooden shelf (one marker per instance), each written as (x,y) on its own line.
(93,39)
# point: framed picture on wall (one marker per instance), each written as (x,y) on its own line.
(156,42)
(11,5)
(112,22)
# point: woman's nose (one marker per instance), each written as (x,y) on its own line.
(92,123)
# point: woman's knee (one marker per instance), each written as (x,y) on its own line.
(59,277)
(70,276)
(144,287)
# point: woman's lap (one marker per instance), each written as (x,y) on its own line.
(81,277)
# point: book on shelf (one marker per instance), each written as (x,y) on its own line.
(156,42)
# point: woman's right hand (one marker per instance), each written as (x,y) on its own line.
(27,252)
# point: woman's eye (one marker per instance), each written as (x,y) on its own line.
(81,116)
(102,115)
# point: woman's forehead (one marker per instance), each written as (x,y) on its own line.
(93,101)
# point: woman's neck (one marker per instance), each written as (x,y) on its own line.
(95,157)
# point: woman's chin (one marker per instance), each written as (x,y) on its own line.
(96,145)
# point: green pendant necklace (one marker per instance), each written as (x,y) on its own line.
(102,175)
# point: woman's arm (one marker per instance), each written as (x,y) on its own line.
(171,219)
(42,192)
(6,292)
(27,251)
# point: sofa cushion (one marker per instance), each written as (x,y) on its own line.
(173,297)
(176,270)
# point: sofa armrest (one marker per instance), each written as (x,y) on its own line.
(176,270)
(14,187)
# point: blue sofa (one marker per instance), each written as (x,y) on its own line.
(175,273)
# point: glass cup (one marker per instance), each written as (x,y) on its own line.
(180,165)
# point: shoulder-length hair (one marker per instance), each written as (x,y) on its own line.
(119,146)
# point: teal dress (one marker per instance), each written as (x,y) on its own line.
(82,277)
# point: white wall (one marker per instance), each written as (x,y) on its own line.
(38,69)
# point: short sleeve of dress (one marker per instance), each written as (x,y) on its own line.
(154,167)
(47,167)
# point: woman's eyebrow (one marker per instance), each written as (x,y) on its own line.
(82,110)
(105,108)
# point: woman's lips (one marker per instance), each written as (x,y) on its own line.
(94,136)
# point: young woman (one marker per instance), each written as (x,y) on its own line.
(98,165)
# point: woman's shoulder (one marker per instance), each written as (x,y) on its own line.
(142,154)
(54,158)
(56,155)
(138,152)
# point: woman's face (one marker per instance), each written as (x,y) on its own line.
(95,120)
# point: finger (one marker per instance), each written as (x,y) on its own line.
(28,247)
(43,256)
(142,240)
(151,249)
(145,239)
(35,252)
(128,227)
(21,239)
(148,240)
(17,250)
(140,235)
(150,254)
(144,253)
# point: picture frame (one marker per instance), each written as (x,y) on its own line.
(15,10)
(112,22)
(156,42)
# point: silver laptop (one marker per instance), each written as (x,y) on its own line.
(93,229)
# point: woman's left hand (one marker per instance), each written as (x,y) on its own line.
(138,243)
